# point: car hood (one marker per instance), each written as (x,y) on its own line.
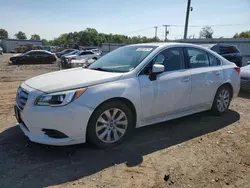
(70,79)
(245,71)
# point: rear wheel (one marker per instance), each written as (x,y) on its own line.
(222,100)
(110,124)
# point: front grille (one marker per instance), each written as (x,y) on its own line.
(21,98)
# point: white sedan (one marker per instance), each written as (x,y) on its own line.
(131,87)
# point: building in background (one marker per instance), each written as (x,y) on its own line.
(10,44)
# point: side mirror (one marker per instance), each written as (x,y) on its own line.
(158,68)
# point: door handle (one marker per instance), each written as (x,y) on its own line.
(185,79)
(217,72)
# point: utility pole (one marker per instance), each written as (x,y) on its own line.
(187,18)
(156,32)
(166,32)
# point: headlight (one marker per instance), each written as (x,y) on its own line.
(60,98)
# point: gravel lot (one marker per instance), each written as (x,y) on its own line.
(196,151)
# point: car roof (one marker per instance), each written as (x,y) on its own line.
(39,51)
(167,44)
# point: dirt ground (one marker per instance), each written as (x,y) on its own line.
(196,151)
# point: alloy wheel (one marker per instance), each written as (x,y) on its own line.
(223,100)
(111,125)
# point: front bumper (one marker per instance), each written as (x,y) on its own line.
(70,120)
(245,84)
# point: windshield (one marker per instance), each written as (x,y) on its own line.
(123,59)
(73,52)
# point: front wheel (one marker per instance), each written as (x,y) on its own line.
(109,125)
(222,100)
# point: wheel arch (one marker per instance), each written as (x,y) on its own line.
(229,85)
(124,100)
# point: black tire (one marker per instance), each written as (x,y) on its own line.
(215,109)
(92,137)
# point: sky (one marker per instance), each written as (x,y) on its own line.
(50,18)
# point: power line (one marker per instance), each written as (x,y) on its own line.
(176,25)
(219,25)
(139,30)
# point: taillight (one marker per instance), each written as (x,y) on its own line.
(237,69)
(73,58)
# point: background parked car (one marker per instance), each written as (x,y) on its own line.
(245,77)
(34,56)
(82,55)
(71,53)
(59,54)
(1,51)
(81,63)
(229,52)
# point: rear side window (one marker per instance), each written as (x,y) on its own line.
(197,58)
(43,54)
(228,50)
(213,60)
(86,53)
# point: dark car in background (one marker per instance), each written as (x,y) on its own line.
(229,52)
(33,57)
(66,51)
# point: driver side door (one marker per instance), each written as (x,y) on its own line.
(170,92)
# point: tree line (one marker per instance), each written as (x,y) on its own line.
(90,37)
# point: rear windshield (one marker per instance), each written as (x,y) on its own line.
(228,50)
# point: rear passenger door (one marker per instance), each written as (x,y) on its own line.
(206,76)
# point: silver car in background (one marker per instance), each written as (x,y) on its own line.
(245,77)
(81,56)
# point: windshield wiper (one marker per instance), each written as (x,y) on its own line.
(101,69)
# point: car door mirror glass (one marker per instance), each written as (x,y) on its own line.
(158,68)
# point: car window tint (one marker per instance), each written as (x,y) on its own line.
(213,60)
(228,49)
(172,59)
(197,58)
(31,54)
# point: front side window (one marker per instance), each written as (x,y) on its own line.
(172,59)
(123,59)
(197,58)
